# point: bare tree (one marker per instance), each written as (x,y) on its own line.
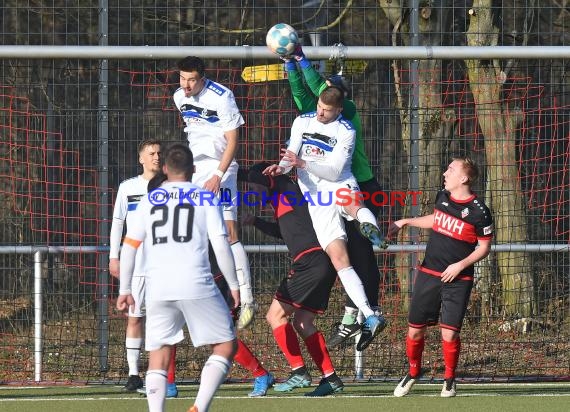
(436,124)
(498,126)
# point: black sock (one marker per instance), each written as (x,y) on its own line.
(334,378)
(300,371)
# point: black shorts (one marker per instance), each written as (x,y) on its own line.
(432,297)
(309,282)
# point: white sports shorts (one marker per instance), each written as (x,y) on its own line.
(138,292)
(327,215)
(208,321)
(228,186)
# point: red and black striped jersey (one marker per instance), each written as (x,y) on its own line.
(457,227)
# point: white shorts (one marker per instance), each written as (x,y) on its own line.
(328,223)
(208,321)
(328,217)
(228,186)
(138,292)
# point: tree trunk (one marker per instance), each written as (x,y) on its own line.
(435,123)
(498,128)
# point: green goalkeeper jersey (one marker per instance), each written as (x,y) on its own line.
(306,101)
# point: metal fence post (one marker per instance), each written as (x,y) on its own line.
(103,191)
(38,308)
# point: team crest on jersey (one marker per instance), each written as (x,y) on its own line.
(464,212)
(332,141)
(445,203)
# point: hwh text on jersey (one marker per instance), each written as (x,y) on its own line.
(447,224)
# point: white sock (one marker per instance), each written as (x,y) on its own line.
(133,346)
(353,288)
(155,382)
(213,375)
(364,215)
(243,272)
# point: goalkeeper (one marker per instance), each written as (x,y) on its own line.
(306,86)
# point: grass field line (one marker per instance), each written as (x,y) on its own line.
(562,385)
(270,397)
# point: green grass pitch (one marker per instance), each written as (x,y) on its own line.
(551,397)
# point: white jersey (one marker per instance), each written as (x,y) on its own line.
(207,117)
(129,195)
(175,233)
(327,148)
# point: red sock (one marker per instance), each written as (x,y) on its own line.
(450,356)
(318,350)
(172,365)
(287,341)
(248,361)
(414,351)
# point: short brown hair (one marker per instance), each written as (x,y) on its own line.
(179,159)
(332,96)
(470,167)
(149,142)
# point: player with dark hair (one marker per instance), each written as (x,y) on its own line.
(304,292)
(212,120)
(306,85)
(462,229)
(129,194)
(180,290)
(320,148)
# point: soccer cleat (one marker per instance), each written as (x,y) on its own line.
(171,390)
(261,384)
(135,382)
(341,332)
(327,387)
(372,326)
(193,408)
(246,315)
(405,386)
(294,381)
(371,232)
(448,390)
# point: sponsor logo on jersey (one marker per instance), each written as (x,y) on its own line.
(487,230)
(313,151)
(465,212)
(447,224)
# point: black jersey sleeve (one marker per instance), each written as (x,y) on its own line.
(269,228)
(485,228)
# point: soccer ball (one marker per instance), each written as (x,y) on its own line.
(282,39)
